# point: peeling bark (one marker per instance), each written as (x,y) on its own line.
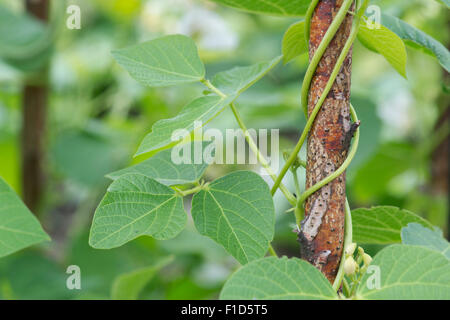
(322,234)
(33,124)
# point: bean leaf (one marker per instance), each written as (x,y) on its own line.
(416,234)
(162,168)
(237,80)
(385,42)
(201,111)
(383,224)
(418,39)
(165,61)
(294,42)
(18,226)
(272,7)
(136,205)
(406,272)
(237,212)
(277,279)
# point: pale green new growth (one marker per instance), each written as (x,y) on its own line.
(237,212)
(166,61)
(277,279)
(294,42)
(416,234)
(382,225)
(417,38)
(136,205)
(407,272)
(128,286)
(18,226)
(161,168)
(385,42)
(272,7)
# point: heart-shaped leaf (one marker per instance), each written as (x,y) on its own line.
(18,226)
(277,279)
(417,38)
(294,42)
(237,80)
(166,61)
(162,168)
(383,224)
(385,42)
(416,234)
(408,273)
(237,212)
(136,205)
(201,111)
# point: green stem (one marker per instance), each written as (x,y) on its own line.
(272,251)
(339,171)
(190,191)
(289,196)
(210,86)
(348,238)
(329,35)
(346,288)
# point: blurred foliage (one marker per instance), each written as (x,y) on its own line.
(98,115)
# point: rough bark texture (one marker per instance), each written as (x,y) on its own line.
(322,233)
(33,124)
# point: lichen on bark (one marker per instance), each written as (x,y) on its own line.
(322,231)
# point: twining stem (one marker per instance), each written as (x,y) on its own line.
(289,196)
(272,251)
(348,238)
(337,21)
(310,246)
(259,155)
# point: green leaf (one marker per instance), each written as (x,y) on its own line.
(277,279)
(161,168)
(294,42)
(166,61)
(414,36)
(18,226)
(271,7)
(237,80)
(128,286)
(237,212)
(385,42)
(408,272)
(200,110)
(136,205)
(382,225)
(416,234)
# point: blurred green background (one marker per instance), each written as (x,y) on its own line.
(97,115)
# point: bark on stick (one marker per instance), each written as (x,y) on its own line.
(322,235)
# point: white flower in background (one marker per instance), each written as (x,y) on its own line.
(186,17)
(210,28)
(395,106)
